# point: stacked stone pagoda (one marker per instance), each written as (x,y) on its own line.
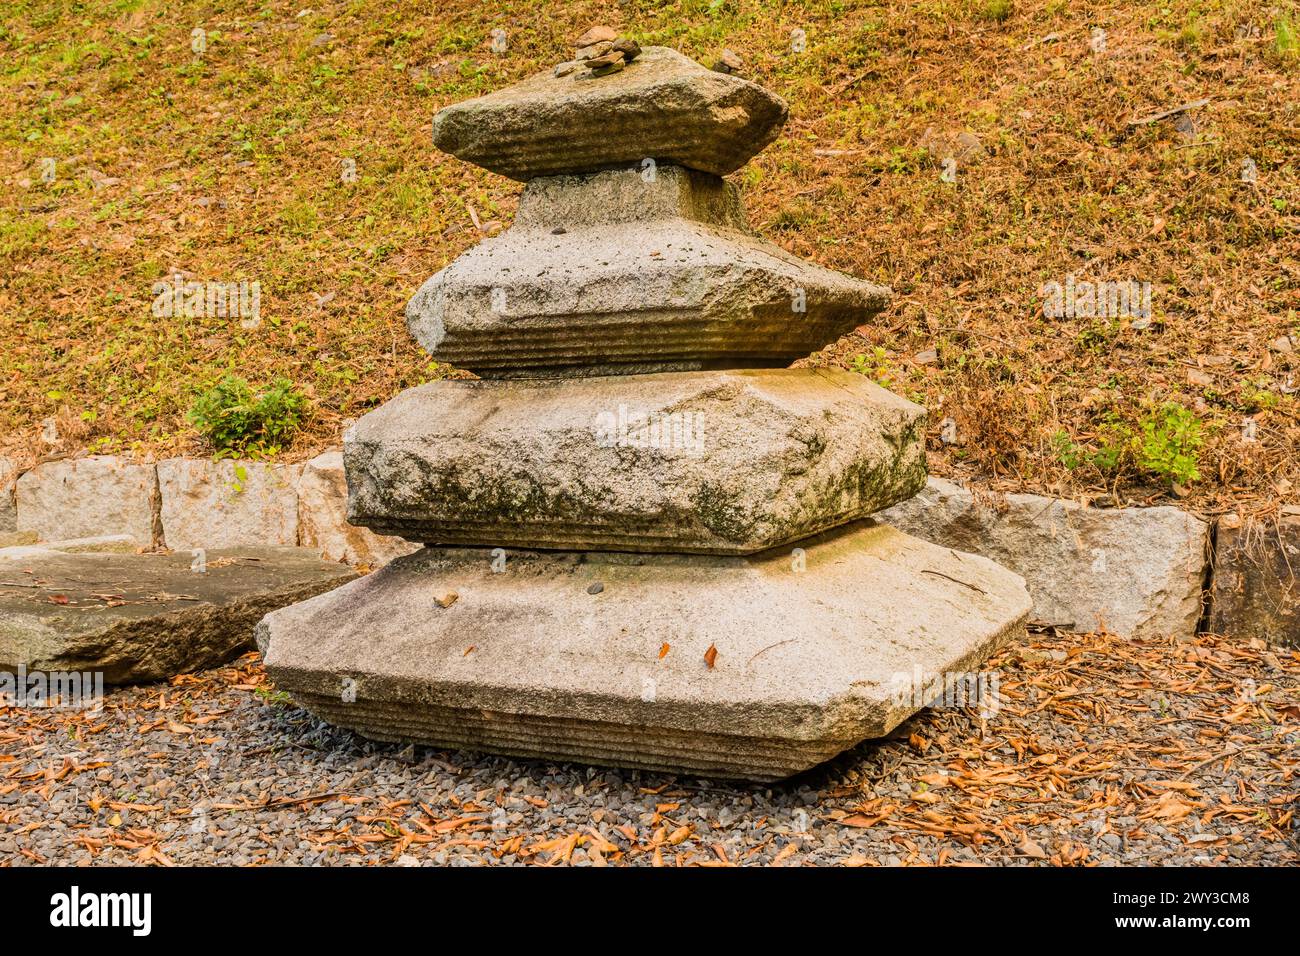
(648,541)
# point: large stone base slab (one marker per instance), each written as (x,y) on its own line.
(144,617)
(751,667)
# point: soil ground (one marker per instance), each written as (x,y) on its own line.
(1100,751)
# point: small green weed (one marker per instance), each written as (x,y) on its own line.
(234,420)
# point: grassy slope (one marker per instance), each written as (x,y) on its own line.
(227,166)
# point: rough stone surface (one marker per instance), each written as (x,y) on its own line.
(8,512)
(611,274)
(635,195)
(1256,583)
(715,462)
(105,544)
(225,504)
(89,497)
(754,667)
(142,617)
(14,539)
(323,518)
(1137,571)
(548,124)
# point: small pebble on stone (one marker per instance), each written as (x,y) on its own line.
(729,62)
(596,34)
(594,50)
(606,70)
(607,59)
(629,48)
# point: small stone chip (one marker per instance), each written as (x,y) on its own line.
(729,62)
(608,69)
(595,35)
(567,67)
(447,600)
(595,588)
(593,51)
(608,59)
(629,48)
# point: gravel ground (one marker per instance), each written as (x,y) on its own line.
(1103,751)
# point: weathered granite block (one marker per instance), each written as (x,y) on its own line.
(548,124)
(755,667)
(1256,581)
(8,511)
(323,518)
(144,617)
(1138,571)
(608,274)
(224,504)
(714,462)
(90,497)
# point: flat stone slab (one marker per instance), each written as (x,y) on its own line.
(1256,583)
(146,617)
(569,290)
(696,462)
(1137,571)
(662,106)
(727,667)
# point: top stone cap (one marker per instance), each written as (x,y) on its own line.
(662,106)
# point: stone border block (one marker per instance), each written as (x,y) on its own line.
(88,498)
(227,504)
(1135,571)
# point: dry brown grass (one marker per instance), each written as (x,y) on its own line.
(228,167)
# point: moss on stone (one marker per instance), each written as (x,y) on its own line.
(723,514)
